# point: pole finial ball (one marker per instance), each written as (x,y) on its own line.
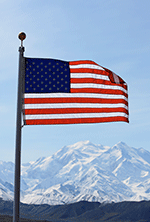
(22,36)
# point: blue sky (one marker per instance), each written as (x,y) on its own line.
(113,33)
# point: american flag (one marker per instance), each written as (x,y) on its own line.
(60,92)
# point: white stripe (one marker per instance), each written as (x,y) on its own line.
(90,66)
(98,86)
(74,95)
(89,75)
(74,116)
(72,105)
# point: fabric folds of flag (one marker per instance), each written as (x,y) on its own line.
(60,92)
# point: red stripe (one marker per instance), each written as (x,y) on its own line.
(98,91)
(82,62)
(72,100)
(74,110)
(88,70)
(90,80)
(76,121)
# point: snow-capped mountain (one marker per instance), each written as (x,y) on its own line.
(84,171)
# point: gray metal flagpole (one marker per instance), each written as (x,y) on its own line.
(21,36)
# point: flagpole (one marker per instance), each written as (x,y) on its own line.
(21,36)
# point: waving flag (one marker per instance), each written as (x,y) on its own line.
(60,92)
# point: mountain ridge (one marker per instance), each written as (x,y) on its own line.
(81,211)
(84,171)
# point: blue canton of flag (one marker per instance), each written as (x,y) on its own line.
(47,76)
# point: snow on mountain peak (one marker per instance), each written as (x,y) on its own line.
(86,171)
